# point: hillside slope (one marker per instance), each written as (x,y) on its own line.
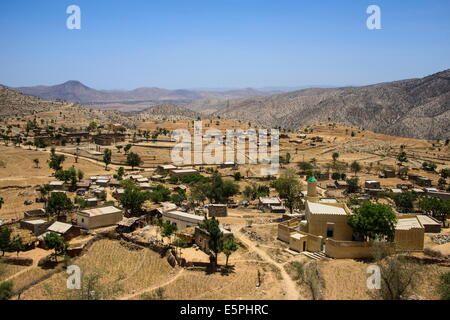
(418,108)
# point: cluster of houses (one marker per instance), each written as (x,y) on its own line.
(324,228)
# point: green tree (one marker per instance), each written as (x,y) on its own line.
(445,173)
(374,221)
(56,161)
(168,229)
(218,190)
(435,207)
(402,158)
(2,202)
(335,156)
(405,201)
(107,155)
(356,167)
(229,247)
(353,185)
(127,148)
(132,198)
(5,239)
(133,160)
(178,197)
(6,290)
(58,203)
(120,173)
(36,162)
(54,241)
(305,166)
(215,242)
(443,288)
(289,188)
(17,245)
(160,194)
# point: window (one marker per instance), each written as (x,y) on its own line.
(330,232)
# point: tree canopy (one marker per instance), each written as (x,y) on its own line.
(374,221)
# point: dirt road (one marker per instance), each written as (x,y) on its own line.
(290,286)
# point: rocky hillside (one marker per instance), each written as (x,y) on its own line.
(418,108)
(166,112)
(13,103)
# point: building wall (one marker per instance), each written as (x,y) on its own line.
(313,243)
(215,211)
(181,224)
(99,221)
(286,228)
(410,240)
(318,224)
(347,249)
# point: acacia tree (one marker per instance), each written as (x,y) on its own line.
(374,221)
(133,160)
(44,191)
(289,188)
(5,239)
(435,207)
(56,161)
(335,156)
(57,204)
(107,155)
(215,242)
(356,167)
(132,198)
(168,229)
(55,242)
(229,247)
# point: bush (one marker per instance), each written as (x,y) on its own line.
(6,290)
(444,286)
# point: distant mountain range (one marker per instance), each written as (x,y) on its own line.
(75,91)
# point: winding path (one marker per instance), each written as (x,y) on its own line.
(290,286)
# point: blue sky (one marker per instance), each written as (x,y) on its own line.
(221,43)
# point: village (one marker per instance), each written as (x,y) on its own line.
(109,199)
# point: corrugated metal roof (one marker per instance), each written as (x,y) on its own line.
(100,211)
(318,208)
(59,227)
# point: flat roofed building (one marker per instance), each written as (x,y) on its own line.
(430,224)
(182,219)
(182,172)
(409,233)
(217,210)
(66,230)
(57,185)
(372,184)
(38,227)
(328,220)
(99,217)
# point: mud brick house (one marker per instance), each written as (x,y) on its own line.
(108,139)
(217,210)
